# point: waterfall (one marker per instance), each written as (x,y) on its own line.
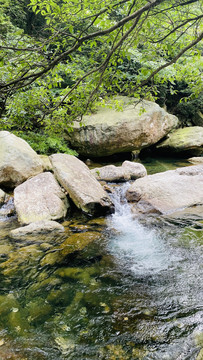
(142,249)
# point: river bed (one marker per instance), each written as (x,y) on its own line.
(133,291)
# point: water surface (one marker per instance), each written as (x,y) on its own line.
(133,292)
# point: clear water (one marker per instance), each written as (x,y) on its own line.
(134,291)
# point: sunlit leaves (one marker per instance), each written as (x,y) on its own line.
(83,57)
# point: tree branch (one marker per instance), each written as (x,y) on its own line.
(173,61)
(78,43)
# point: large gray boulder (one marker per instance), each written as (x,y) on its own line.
(82,187)
(18,161)
(168,192)
(40,198)
(186,141)
(109,131)
(36,228)
(129,170)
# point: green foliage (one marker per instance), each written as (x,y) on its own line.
(45,144)
(86,51)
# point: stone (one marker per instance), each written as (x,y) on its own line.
(19,258)
(46,163)
(82,187)
(18,161)
(38,310)
(2,196)
(196,160)
(40,198)
(129,170)
(168,192)
(200,355)
(186,141)
(109,131)
(134,169)
(73,243)
(36,228)
(110,173)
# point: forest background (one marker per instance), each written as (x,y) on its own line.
(60,59)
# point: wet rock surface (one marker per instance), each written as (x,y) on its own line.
(40,198)
(80,184)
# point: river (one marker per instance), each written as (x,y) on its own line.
(134,292)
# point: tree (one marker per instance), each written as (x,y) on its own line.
(80,56)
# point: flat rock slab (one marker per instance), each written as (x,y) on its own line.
(109,131)
(168,192)
(36,228)
(40,198)
(188,140)
(18,161)
(129,170)
(81,185)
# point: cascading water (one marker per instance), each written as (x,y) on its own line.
(143,249)
(169,272)
(134,292)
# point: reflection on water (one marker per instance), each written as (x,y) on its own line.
(132,292)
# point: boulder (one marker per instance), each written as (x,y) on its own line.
(168,192)
(81,185)
(109,131)
(188,141)
(127,171)
(18,161)
(40,198)
(36,228)
(134,169)
(74,243)
(196,160)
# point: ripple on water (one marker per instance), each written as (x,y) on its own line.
(133,294)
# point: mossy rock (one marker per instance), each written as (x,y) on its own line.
(75,242)
(188,140)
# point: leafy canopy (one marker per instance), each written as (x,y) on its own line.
(85,50)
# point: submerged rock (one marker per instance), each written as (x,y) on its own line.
(18,161)
(36,228)
(40,198)
(75,242)
(188,140)
(19,258)
(109,131)
(129,170)
(168,192)
(82,187)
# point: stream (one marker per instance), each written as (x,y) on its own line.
(132,292)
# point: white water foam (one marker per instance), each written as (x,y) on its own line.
(141,248)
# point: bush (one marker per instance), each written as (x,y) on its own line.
(45,144)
